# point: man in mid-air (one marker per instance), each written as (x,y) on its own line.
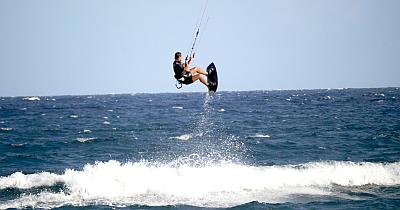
(187,76)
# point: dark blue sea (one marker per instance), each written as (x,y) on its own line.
(281,149)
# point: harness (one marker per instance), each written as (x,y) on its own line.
(179,81)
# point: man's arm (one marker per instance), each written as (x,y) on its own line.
(186,64)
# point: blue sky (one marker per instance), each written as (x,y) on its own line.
(126,46)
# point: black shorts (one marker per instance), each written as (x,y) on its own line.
(187,79)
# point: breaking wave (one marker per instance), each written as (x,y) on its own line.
(216,185)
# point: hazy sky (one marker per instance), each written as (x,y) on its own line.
(60,47)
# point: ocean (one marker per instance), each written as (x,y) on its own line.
(278,149)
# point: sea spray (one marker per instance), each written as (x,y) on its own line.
(209,136)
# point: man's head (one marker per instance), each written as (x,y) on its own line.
(178,56)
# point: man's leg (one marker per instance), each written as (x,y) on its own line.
(195,70)
(202,79)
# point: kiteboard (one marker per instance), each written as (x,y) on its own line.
(212,78)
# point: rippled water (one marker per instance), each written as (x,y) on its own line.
(318,149)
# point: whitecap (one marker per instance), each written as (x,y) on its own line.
(183,137)
(6,129)
(34,98)
(87,131)
(73,116)
(18,144)
(177,107)
(84,139)
(106,122)
(221,110)
(261,136)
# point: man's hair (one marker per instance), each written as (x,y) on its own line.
(177,54)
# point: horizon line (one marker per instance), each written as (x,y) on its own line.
(151,93)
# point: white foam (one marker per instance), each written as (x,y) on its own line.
(22,181)
(221,110)
(6,129)
(177,107)
(183,137)
(214,185)
(85,139)
(106,122)
(73,116)
(34,98)
(87,131)
(18,145)
(261,136)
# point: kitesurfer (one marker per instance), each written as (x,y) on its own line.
(186,75)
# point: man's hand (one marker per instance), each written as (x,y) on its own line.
(187,62)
